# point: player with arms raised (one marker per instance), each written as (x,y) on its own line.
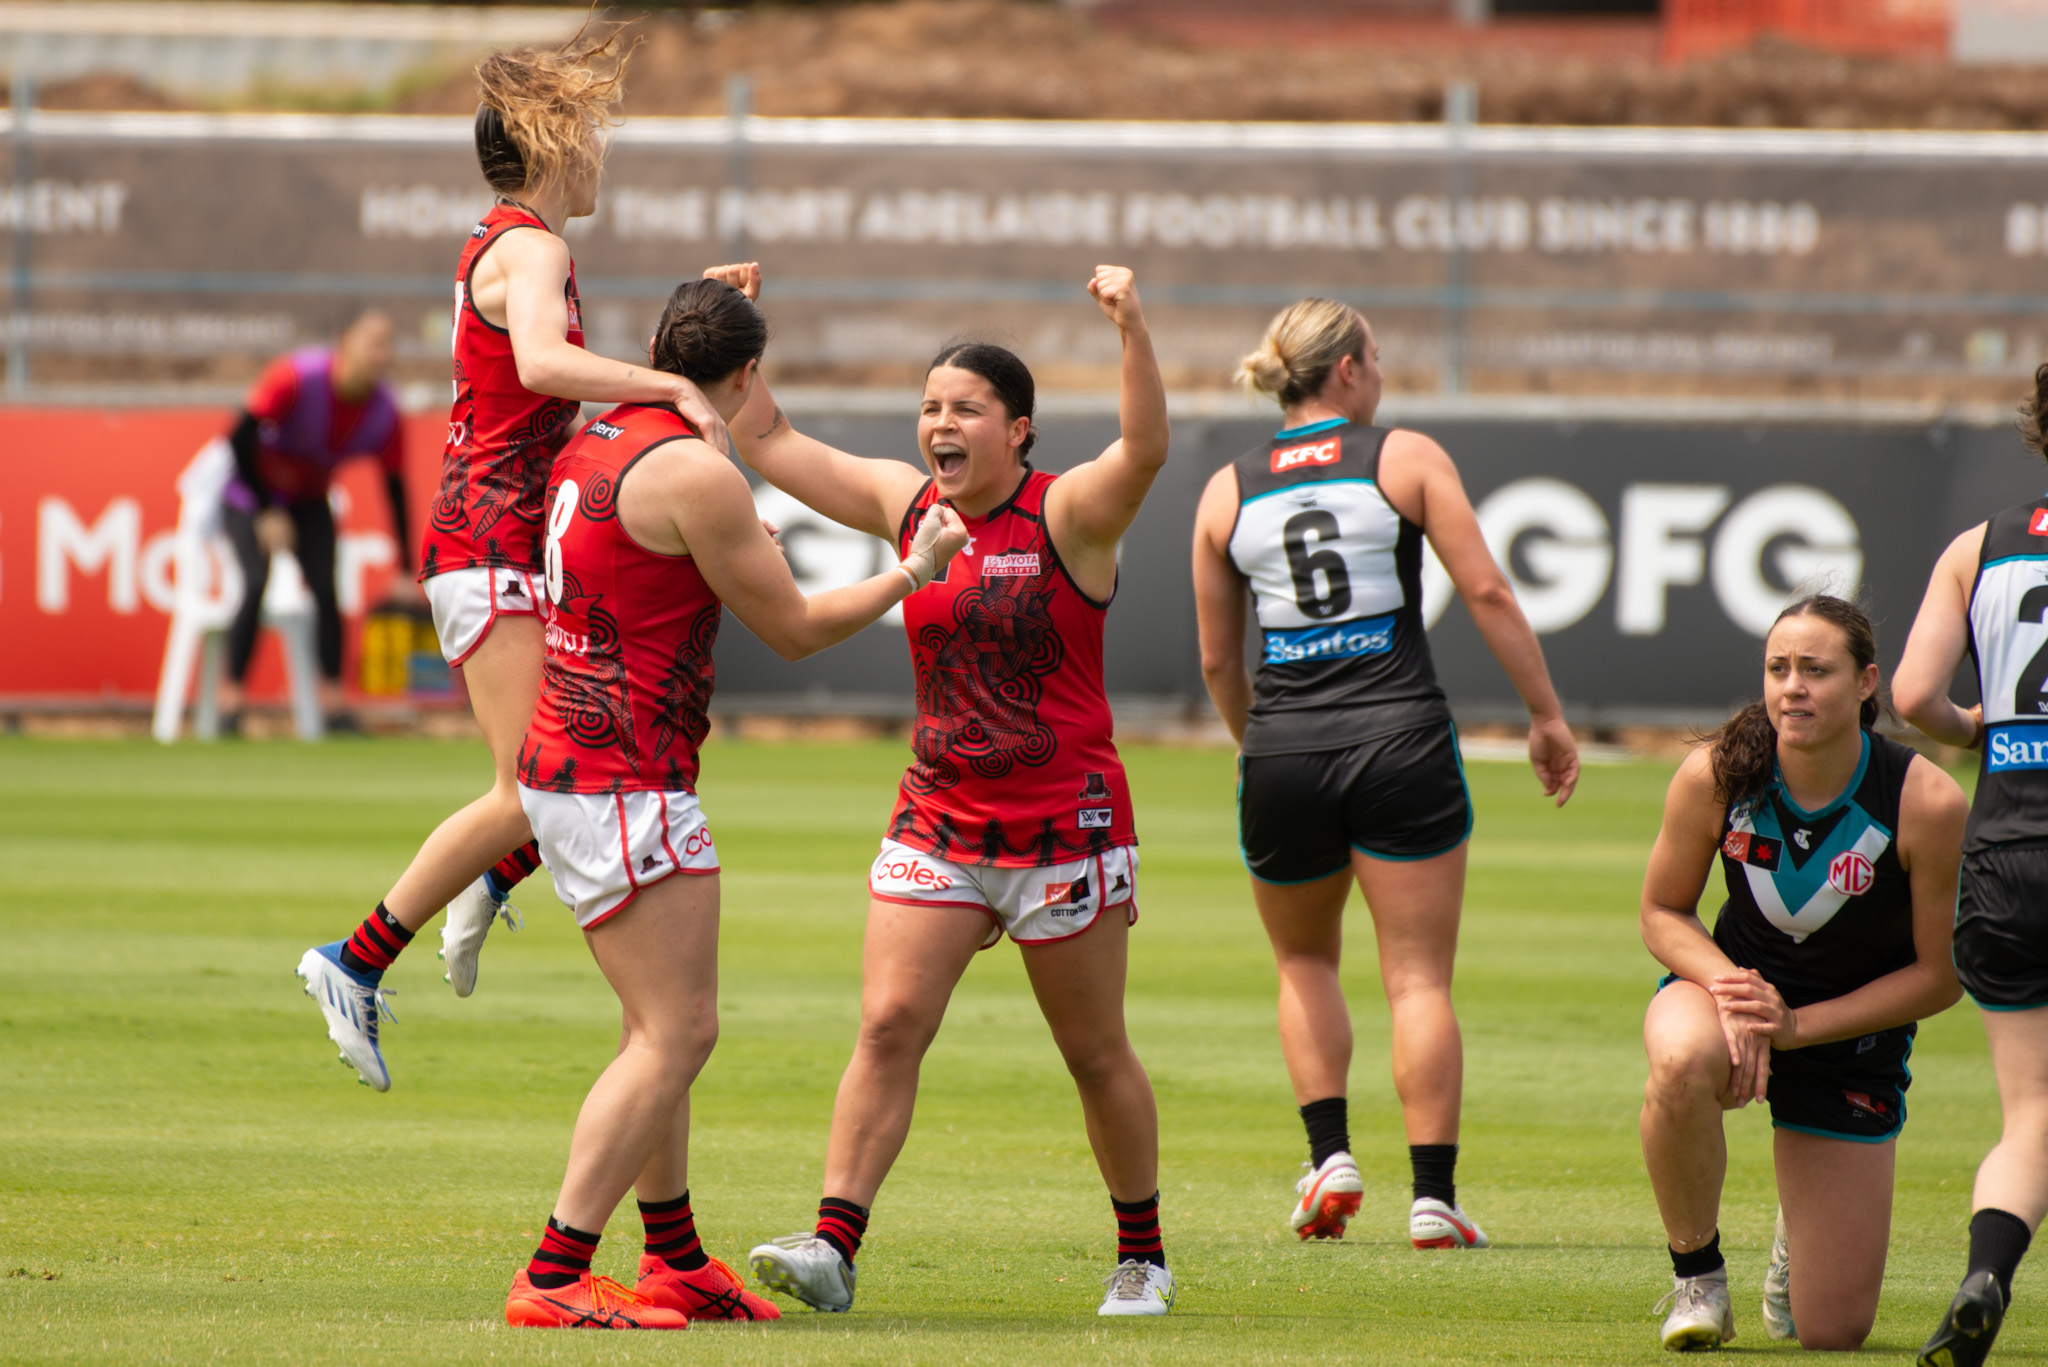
(1015,816)
(650,532)
(520,374)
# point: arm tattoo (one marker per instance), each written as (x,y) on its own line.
(773,427)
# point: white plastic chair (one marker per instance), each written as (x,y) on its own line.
(207,590)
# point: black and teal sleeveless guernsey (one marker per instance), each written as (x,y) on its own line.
(2009,641)
(1817,901)
(1336,579)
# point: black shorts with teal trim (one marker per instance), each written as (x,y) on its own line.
(1400,796)
(1853,1089)
(2001,941)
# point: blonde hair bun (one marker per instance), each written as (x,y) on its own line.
(1301,347)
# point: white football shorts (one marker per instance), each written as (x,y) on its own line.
(1035,906)
(602,848)
(467,602)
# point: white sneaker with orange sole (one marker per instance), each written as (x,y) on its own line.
(1329,1196)
(1434,1224)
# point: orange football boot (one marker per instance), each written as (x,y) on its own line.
(712,1292)
(587,1303)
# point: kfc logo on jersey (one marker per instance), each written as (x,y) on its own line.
(1095,818)
(2038,523)
(608,431)
(1851,874)
(1312,453)
(1747,847)
(1021,565)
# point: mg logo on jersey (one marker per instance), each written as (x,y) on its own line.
(1312,453)
(1851,874)
(2038,523)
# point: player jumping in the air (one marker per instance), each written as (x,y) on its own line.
(1839,851)
(1350,769)
(1989,596)
(520,372)
(649,532)
(1015,816)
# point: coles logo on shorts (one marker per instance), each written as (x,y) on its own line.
(999,565)
(1850,873)
(1311,453)
(2038,523)
(915,872)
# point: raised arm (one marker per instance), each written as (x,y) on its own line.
(1418,478)
(1932,811)
(526,275)
(1090,507)
(1934,651)
(686,499)
(1220,603)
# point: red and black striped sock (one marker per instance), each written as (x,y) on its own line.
(563,1256)
(672,1233)
(514,869)
(375,944)
(1137,1231)
(843,1225)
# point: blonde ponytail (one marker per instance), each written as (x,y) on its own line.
(553,105)
(1301,347)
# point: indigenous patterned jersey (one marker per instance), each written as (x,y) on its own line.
(1336,578)
(628,672)
(2009,641)
(501,435)
(1817,901)
(1015,765)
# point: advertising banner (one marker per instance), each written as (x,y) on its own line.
(1873,265)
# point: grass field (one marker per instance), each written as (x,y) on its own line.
(188,1174)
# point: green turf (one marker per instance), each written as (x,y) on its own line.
(189,1175)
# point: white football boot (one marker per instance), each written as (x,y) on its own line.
(808,1268)
(463,929)
(1328,1197)
(1137,1288)
(353,1006)
(1778,1286)
(1700,1314)
(1434,1224)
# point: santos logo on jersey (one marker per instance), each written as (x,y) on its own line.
(1367,636)
(2007,750)
(1313,453)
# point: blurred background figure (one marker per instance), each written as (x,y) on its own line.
(309,411)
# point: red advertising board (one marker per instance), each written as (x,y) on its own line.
(88,504)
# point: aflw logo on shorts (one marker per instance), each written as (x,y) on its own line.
(1314,453)
(1022,565)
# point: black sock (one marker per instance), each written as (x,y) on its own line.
(375,944)
(1702,1260)
(1137,1231)
(563,1256)
(843,1225)
(1436,1171)
(672,1233)
(1998,1241)
(1329,1128)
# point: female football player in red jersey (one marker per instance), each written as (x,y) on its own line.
(520,373)
(649,532)
(1015,816)
(1349,769)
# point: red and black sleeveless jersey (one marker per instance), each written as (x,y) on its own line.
(628,672)
(502,437)
(1015,765)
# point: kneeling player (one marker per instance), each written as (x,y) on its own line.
(1839,849)
(649,531)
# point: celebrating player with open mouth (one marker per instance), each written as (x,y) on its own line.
(1350,768)
(520,373)
(1989,596)
(1839,850)
(1015,816)
(650,530)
